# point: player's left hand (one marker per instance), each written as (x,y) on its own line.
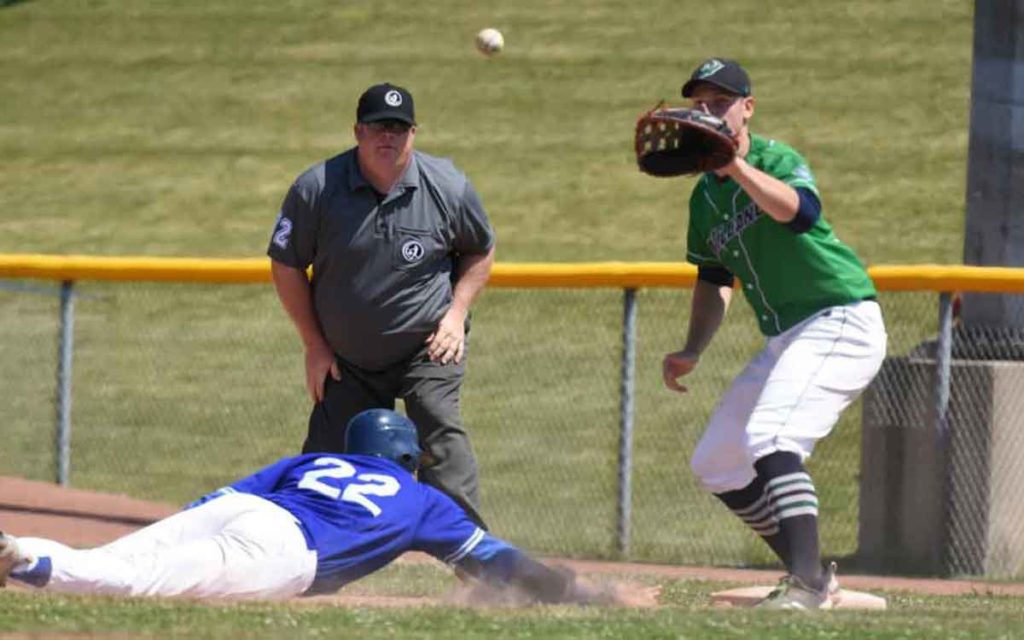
(448,342)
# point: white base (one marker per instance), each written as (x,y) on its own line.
(749,596)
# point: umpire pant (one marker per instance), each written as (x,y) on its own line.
(431,394)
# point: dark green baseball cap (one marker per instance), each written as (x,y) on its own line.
(723,73)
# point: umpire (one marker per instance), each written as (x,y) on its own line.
(400,246)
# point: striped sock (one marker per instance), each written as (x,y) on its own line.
(792,495)
(751,505)
(760,516)
(794,501)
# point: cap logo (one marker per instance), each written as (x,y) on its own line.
(393,98)
(709,68)
(412,251)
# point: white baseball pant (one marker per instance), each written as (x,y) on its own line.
(791,394)
(237,546)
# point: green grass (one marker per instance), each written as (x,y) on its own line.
(175,128)
(685,614)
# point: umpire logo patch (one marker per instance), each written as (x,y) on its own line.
(393,98)
(412,251)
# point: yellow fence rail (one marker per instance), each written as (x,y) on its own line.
(620,275)
(628,277)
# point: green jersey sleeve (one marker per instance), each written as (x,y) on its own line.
(786,164)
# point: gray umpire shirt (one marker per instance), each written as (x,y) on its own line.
(382,265)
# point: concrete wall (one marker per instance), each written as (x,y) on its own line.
(940,501)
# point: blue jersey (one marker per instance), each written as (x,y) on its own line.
(359,513)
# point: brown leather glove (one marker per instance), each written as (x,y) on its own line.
(678,141)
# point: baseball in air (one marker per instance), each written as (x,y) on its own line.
(490,42)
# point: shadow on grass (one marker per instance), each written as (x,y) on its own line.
(10,3)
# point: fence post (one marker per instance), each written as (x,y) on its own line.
(943,358)
(65,352)
(625,506)
(943,364)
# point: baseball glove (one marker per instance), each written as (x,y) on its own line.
(678,141)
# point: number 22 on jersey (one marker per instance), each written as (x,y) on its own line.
(372,484)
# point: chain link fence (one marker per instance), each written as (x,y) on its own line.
(180,388)
(943,450)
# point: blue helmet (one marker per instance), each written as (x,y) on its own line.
(384,434)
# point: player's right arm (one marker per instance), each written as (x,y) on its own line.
(292,247)
(296,295)
(447,533)
(500,563)
(711,293)
(707,309)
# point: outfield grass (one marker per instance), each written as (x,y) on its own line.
(175,128)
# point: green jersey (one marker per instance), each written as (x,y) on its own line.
(786,275)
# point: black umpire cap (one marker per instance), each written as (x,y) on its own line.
(386,102)
(721,72)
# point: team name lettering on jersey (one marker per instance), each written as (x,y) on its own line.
(720,235)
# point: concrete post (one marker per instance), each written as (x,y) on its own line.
(994,233)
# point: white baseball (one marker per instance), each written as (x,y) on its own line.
(490,41)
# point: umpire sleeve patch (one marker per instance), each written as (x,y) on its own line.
(282,231)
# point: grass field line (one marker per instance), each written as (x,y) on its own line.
(929,586)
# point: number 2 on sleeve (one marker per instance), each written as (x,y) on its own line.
(283,231)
